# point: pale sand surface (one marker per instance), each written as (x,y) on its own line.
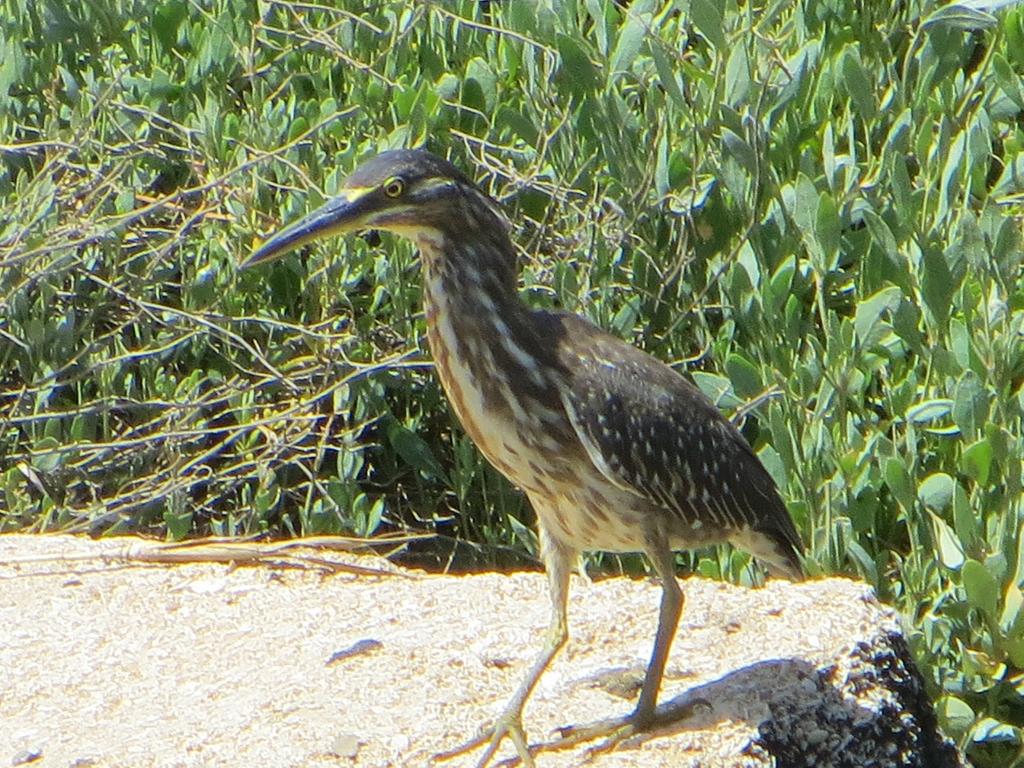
(117,664)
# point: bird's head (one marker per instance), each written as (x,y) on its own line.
(407,191)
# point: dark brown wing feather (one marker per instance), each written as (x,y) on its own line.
(650,431)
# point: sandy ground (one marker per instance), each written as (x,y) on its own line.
(109,663)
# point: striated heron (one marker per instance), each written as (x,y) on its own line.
(615,450)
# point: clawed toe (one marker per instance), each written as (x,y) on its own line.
(614,731)
(507,725)
(618,730)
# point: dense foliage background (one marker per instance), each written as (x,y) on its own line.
(813,207)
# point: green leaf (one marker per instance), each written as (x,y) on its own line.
(178,522)
(518,123)
(625,319)
(928,411)
(1012,619)
(1011,180)
(871,308)
(950,549)
(966,523)
(737,148)
(1008,251)
(991,731)
(854,78)
(717,388)
(666,72)
(167,18)
(936,491)
(479,70)
(523,17)
(706,16)
(46,455)
(906,324)
(746,380)
(981,587)
(414,450)
(772,461)
(1014,30)
(828,157)
(800,68)
(366,514)
(958,16)
(863,559)
(1009,81)
(937,284)
(952,172)
(898,479)
(266,499)
(828,227)
(603,16)
(970,404)
(804,202)
(215,47)
(779,285)
(960,342)
(581,74)
(447,86)
(630,39)
(297,127)
(737,76)
(955,715)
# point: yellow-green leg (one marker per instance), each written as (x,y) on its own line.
(643,717)
(557,561)
(668,622)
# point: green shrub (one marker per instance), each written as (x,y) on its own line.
(815,208)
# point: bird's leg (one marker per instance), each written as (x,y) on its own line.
(668,622)
(557,561)
(644,716)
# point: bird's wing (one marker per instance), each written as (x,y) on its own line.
(652,433)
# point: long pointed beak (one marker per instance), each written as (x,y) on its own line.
(341,214)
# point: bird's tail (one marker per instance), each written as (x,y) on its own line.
(780,553)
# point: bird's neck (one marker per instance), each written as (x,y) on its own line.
(484,340)
(474,289)
(501,375)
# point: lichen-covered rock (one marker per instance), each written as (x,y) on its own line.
(868,709)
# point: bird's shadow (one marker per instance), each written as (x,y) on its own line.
(745,694)
(795,711)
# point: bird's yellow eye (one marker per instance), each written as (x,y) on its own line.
(394,187)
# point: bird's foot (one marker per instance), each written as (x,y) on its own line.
(510,724)
(619,731)
(614,731)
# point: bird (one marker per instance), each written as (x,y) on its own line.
(615,450)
